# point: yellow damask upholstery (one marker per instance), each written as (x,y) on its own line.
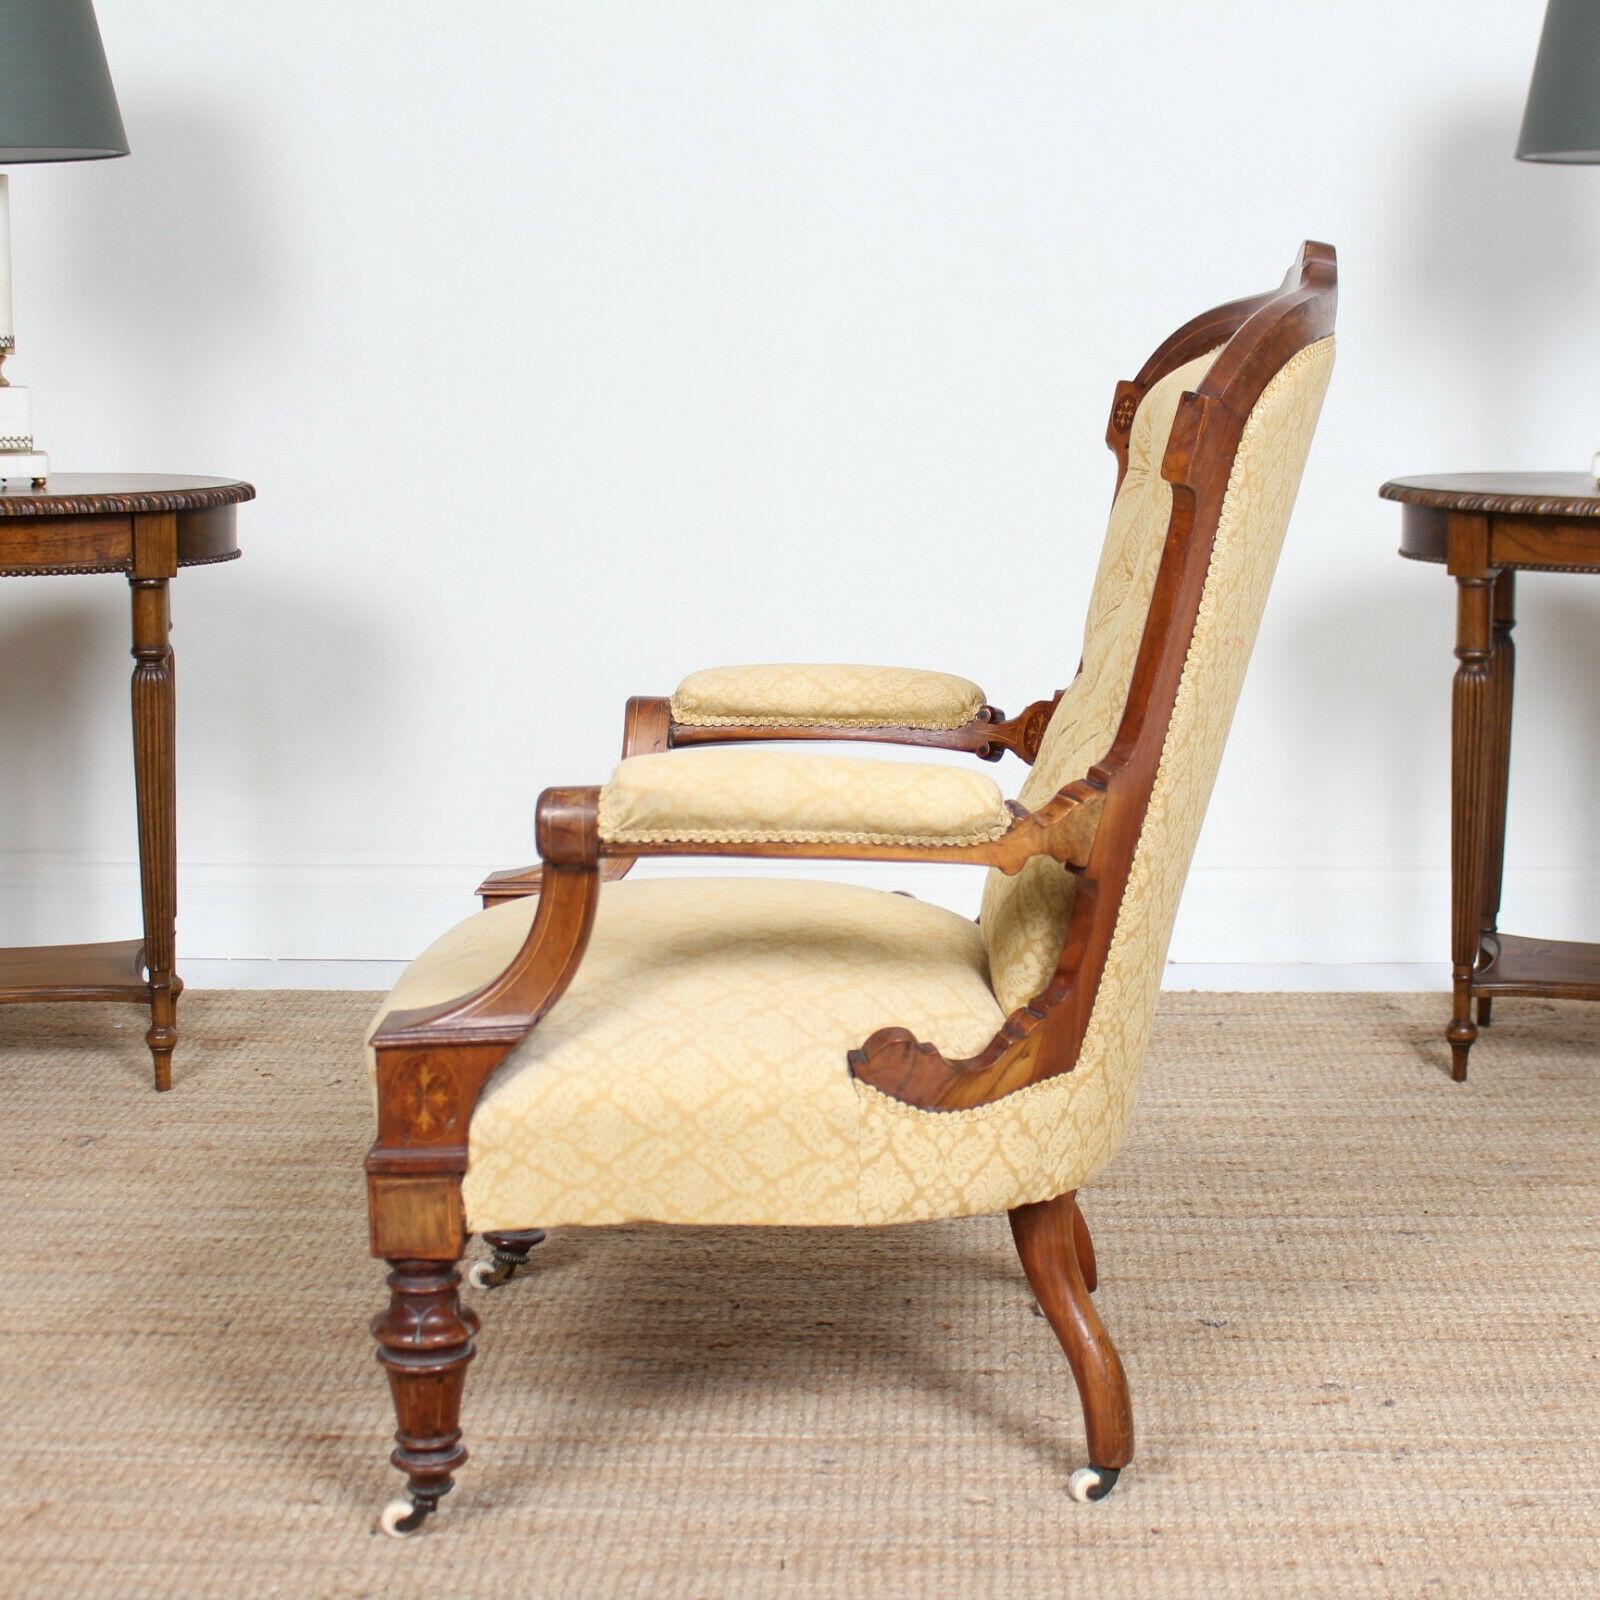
(1057,1134)
(1025,917)
(695,1070)
(789,695)
(1070,1126)
(748,795)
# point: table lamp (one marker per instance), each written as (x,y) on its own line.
(1562,120)
(56,104)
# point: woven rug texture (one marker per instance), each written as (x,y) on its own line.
(1359,1307)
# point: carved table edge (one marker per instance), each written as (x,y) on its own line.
(1498,505)
(46,504)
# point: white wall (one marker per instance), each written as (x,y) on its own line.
(575,346)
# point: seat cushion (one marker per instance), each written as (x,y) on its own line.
(696,1069)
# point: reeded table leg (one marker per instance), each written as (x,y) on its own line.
(155,778)
(1472,747)
(1502,674)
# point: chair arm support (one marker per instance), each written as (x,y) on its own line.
(1062,829)
(784,796)
(879,705)
(988,735)
(434,1062)
(646,729)
(649,728)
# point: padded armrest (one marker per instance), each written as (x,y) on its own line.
(766,796)
(825,697)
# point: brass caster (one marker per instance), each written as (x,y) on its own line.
(1093,1483)
(502,1264)
(402,1518)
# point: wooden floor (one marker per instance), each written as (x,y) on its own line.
(1359,1305)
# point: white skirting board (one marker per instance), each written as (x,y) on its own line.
(1321,927)
(379,976)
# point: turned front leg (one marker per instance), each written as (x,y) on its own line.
(425,1343)
(155,777)
(425,1336)
(1472,746)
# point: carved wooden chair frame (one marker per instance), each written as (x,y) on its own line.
(433,1063)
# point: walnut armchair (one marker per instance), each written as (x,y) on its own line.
(748,1051)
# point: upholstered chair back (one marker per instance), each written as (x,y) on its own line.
(1027,919)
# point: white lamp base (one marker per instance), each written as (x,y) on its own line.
(18,459)
(27,466)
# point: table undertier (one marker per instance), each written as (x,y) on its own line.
(1553,969)
(113,971)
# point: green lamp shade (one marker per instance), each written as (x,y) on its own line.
(1562,122)
(56,99)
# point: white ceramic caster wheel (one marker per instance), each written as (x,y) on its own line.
(400,1518)
(481,1275)
(1092,1483)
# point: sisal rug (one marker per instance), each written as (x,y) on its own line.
(1359,1305)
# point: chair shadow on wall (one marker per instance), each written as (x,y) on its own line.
(1323,700)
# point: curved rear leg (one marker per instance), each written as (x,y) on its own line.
(1046,1236)
(1085,1248)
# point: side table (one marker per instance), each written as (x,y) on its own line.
(1485,528)
(146,527)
